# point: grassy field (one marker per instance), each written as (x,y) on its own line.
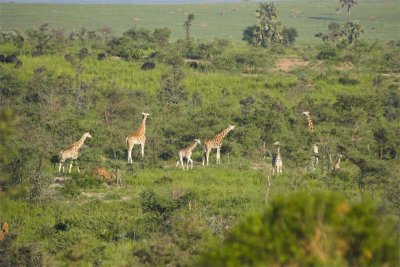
(381,20)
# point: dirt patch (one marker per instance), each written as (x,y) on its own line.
(287,64)
(345,66)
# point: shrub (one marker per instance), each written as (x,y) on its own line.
(327,53)
(307,230)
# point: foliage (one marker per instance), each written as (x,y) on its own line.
(325,228)
(196,89)
(269,30)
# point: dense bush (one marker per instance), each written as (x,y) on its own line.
(309,229)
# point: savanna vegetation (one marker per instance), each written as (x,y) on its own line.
(63,84)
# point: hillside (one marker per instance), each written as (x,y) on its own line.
(331,111)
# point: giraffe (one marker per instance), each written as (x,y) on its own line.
(336,165)
(3,230)
(187,153)
(277,161)
(72,153)
(309,120)
(103,173)
(137,138)
(215,142)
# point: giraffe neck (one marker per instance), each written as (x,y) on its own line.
(191,147)
(80,142)
(222,134)
(142,128)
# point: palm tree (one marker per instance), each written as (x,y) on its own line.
(349,4)
(270,27)
(266,12)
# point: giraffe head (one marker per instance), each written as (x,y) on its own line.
(231,127)
(145,114)
(306,113)
(197,141)
(340,156)
(87,135)
(276,143)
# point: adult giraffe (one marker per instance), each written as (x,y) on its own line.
(72,153)
(215,142)
(138,137)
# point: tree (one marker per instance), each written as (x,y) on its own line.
(349,4)
(187,25)
(162,35)
(289,35)
(269,29)
(40,38)
(352,31)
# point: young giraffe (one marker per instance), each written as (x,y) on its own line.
(215,142)
(336,165)
(277,161)
(72,153)
(309,120)
(187,153)
(137,138)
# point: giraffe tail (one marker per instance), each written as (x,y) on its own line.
(126,140)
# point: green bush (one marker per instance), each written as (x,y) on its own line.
(307,230)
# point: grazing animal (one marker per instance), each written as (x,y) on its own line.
(3,230)
(137,138)
(309,120)
(215,142)
(103,173)
(277,161)
(187,153)
(148,66)
(2,58)
(72,153)
(101,56)
(336,164)
(12,59)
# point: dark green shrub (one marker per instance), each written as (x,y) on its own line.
(327,53)
(348,81)
(308,230)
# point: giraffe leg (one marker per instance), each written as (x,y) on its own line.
(218,156)
(130,153)
(142,150)
(208,155)
(59,168)
(70,167)
(191,163)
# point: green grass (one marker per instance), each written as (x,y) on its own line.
(381,20)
